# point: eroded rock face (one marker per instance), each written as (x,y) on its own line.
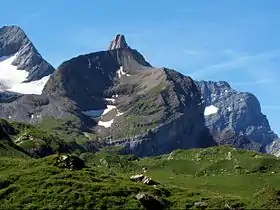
(238,113)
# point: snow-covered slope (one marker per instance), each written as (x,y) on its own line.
(12,78)
(22,69)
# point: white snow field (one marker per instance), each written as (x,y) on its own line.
(101,112)
(209,110)
(11,78)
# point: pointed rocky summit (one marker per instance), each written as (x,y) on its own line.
(118,43)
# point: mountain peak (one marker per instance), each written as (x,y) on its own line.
(12,38)
(12,32)
(11,27)
(118,42)
(22,55)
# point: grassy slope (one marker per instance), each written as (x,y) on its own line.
(219,176)
(46,138)
(6,149)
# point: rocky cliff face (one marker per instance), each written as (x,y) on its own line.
(118,43)
(237,112)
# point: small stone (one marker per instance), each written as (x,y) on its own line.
(137,178)
(200,204)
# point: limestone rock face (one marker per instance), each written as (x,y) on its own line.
(238,114)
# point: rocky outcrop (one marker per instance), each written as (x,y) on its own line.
(228,137)
(69,162)
(144,179)
(118,42)
(13,41)
(238,114)
(149,202)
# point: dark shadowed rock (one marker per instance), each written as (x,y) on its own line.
(4,135)
(149,202)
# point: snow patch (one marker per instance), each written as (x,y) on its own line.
(12,79)
(110,100)
(121,73)
(33,87)
(99,112)
(9,74)
(119,114)
(209,110)
(108,109)
(106,124)
(229,109)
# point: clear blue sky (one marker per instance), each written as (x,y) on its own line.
(232,40)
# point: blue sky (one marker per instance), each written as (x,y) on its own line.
(232,40)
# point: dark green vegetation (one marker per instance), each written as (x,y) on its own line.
(49,137)
(216,177)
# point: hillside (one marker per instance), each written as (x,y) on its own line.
(7,147)
(216,177)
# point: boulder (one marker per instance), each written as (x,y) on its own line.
(144,179)
(149,202)
(200,204)
(69,162)
(148,181)
(137,178)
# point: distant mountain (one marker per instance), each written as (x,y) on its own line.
(238,112)
(22,68)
